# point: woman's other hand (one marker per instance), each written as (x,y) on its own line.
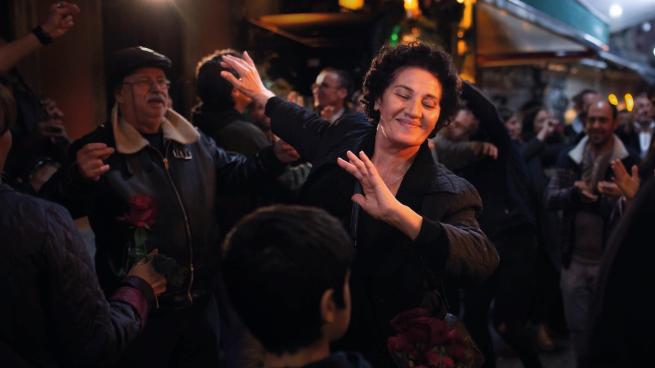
(249,81)
(376,198)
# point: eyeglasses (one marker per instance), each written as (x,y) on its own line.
(146,83)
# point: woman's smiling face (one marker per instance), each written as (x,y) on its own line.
(409,107)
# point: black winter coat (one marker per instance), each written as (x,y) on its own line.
(53,312)
(183,181)
(389,269)
(231,132)
(502,183)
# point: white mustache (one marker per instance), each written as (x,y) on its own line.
(156,98)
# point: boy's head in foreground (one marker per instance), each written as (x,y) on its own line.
(286,271)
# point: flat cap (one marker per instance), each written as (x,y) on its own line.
(125,61)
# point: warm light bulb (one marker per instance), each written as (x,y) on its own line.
(351,4)
(629,102)
(611,98)
(616,10)
(412,8)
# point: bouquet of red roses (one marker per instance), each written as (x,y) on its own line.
(423,341)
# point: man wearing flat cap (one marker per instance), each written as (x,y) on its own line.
(148,181)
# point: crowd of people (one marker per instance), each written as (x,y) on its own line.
(269,232)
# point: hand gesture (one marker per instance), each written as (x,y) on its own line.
(327,112)
(609,189)
(586,194)
(285,152)
(547,129)
(377,200)
(146,271)
(90,160)
(628,184)
(489,150)
(53,130)
(249,82)
(60,18)
(51,108)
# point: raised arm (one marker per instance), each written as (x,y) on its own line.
(302,129)
(240,173)
(60,20)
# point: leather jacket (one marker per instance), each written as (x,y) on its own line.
(183,181)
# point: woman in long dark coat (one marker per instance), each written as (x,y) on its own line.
(416,217)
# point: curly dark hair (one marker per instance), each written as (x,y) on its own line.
(390,60)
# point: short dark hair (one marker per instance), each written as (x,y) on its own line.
(7,109)
(578,99)
(390,60)
(278,262)
(345,81)
(527,122)
(213,90)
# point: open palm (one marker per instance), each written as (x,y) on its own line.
(376,199)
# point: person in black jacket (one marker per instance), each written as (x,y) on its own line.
(149,156)
(508,220)
(410,217)
(53,311)
(220,113)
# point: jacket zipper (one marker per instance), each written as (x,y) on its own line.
(187,227)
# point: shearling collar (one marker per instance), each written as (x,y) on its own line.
(128,140)
(618,151)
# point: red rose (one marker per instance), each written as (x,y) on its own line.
(403,320)
(400,344)
(436,360)
(418,330)
(142,212)
(438,331)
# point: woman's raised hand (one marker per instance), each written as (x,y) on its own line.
(249,81)
(376,198)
